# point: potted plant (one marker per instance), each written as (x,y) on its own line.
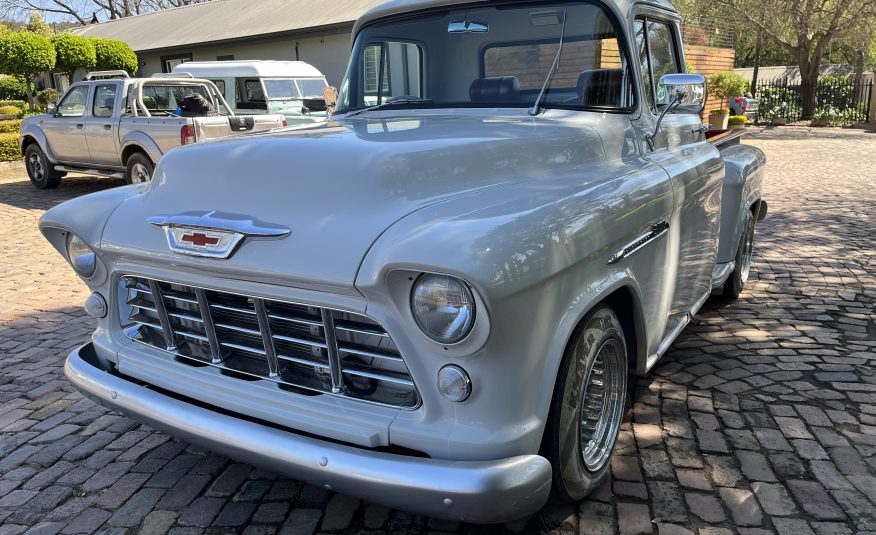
(737,122)
(723,85)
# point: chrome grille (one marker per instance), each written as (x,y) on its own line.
(304,348)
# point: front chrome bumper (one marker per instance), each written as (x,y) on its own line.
(471,491)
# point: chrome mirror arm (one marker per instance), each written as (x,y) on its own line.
(676,102)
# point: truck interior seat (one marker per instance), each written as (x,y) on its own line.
(495,89)
(600,87)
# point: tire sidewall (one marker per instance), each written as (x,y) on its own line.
(573,480)
(32,149)
(734,285)
(140,158)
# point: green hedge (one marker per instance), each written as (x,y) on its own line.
(10,127)
(9,150)
(20,104)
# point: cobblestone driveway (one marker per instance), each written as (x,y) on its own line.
(762,419)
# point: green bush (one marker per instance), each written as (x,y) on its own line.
(9,110)
(13,89)
(73,52)
(47,96)
(10,127)
(113,55)
(737,119)
(723,85)
(20,104)
(27,56)
(9,150)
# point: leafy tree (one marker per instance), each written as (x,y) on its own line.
(806,30)
(37,25)
(114,55)
(84,11)
(26,55)
(724,85)
(73,52)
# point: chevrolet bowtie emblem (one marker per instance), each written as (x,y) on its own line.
(212,234)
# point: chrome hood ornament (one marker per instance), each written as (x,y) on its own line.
(212,234)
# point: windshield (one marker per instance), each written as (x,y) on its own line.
(287,88)
(495,56)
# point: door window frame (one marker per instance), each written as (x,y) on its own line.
(645,18)
(69,92)
(94,100)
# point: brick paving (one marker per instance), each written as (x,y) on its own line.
(761,419)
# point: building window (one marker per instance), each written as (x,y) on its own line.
(226,57)
(169,62)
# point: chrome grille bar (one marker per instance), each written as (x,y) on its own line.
(333,357)
(305,349)
(166,328)
(209,326)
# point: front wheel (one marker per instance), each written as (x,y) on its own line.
(138,169)
(41,173)
(734,285)
(588,405)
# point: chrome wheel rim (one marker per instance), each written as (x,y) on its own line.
(747,248)
(602,402)
(36,166)
(139,173)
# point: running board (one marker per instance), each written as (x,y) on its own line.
(93,172)
(673,334)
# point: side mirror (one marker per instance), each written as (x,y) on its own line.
(52,109)
(330,94)
(689,90)
(683,93)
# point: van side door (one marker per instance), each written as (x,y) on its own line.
(101,124)
(694,166)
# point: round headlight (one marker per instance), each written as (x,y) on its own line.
(81,256)
(443,307)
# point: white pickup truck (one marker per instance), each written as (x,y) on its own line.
(121,127)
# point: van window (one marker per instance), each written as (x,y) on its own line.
(220,84)
(250,95)
(311,87)
(281,88)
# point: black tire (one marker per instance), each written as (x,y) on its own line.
(577,470)
(139,168)
(736,282)
(41,172)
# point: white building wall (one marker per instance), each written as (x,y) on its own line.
(329,54)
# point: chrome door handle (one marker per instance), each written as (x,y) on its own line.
(79,125)
(703,128)
(107,127)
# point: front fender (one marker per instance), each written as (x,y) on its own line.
(141,141)
(32,131)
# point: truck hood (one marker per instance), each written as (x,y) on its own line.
(337,186)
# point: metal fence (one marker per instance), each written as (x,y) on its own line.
(839,100)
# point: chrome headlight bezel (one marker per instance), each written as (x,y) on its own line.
(81,256)
(428,316)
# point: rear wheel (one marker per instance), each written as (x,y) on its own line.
(734,285)
(138,169)
(42,174)
(588,405)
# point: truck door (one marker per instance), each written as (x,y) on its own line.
(65,130)
(693,165)
(100,125)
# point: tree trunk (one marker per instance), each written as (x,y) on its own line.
(809,72)
(30,89)
(758,49)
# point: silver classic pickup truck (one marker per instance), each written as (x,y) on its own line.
(433,300)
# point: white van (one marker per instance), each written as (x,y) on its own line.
(290,88)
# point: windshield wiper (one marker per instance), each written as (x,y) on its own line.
(536,107)
(390,103)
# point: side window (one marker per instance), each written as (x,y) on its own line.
(392,69)
(254,92)
(104,100)
(220,85)
(658,56)
(663,56)
(73,104)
